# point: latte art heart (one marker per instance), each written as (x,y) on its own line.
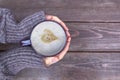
(48,36)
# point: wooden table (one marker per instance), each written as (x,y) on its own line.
(94,53)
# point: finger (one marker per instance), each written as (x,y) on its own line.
(50,60)
(64,26)
(55,18)
(62,54)
(61,22)
(68,34)
(67,46)
(69,39)
(49,17)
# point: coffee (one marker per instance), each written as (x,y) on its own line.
(48,38)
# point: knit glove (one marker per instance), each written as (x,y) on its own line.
(13,61)
(13,32)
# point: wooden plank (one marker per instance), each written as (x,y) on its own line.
(60,3)
(81,14)
(95,36)
(68,10)
(78,66)
(91,37)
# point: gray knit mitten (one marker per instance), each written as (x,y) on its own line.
(13,61)
(13,32)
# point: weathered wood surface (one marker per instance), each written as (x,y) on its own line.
(95,29)
(78,66)
(95,36)
(92,37)
(68,10)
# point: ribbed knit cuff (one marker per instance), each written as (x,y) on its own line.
(15,33)
(3,13)
(17,59)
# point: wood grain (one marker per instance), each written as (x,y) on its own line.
(67,10)
(78,66)
(91,37)
(95,46)
(95,36)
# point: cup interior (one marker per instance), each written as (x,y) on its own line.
(48,38)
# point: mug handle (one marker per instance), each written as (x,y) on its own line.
(26,43)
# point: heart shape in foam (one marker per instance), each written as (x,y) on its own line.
(48,36)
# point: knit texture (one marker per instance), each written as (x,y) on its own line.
(13,32)
(13,61)
(2,24)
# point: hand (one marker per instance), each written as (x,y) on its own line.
(51,60)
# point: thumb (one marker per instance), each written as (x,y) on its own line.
(50,60)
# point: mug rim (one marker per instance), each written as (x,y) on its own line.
(57,52)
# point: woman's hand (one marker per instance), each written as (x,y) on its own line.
(51,60)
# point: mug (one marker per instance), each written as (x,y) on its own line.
(48,38)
